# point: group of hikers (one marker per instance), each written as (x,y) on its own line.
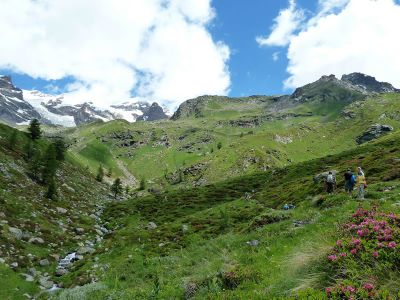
(351,181)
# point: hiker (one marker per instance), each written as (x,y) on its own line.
(361,183)
(349,181)
(330,183)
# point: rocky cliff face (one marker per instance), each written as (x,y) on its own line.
(13,108)
(18,107)
(368,83)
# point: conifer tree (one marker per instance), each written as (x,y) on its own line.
(142,184)
(35,165)
(51,189)
(59,145)
(12,139)
(29,150)
(116,187)
(49,164)
(34,129)
(100,174)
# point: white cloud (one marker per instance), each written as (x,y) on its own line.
(160,48)
(347,36)
(275,56)
(285,24)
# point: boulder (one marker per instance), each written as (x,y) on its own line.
(36,240)
(85,250)
(151,226)
(44,262)
(61,210)
(322,176)
(60,272)
(16,232)
(374,132)
(46,283)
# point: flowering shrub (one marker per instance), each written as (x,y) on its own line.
(371,241)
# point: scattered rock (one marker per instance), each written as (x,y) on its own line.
(2,261)
(46,283)
(253,243)
(185,228)
(16,232)
(14,265)
(36,240)
(151,226)
(28,277)
(86,250)
(44,262)
(61,210)
(60,272)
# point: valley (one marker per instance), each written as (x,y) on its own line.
(202,214)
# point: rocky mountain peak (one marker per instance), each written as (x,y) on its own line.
(368,83)
(6,82)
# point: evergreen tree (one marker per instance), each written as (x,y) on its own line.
(51,190)
(12,139)
(100,174)
(60,147)
(34,129)
(142,184)
(29,150)
(35,165)
(49,164)
(116,187)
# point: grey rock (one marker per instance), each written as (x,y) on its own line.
(2,261)
(85,250)
(16,232)
(46,283)
(36,240)
(374,132)
(28,277)
(253,243)
(79,230)
(322,176)
(44,262)
(60,272)
(14,265)
(151,226)
(61,210)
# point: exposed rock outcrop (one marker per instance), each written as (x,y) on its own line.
(374,132)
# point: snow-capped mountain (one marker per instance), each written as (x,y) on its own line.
(18,107)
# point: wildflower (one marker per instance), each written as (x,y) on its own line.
(332,257)
(356,241)
(368,286)
(350,289)
(376,228)
(375,254)
(339,243)
(343,254)
(360,232)
(328,290)
(392,245)
(353,251)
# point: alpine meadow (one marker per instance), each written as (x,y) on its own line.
(143,168)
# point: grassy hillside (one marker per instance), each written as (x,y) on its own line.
(254,134)
(36,232)
(233,240)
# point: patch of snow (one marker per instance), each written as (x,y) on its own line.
(36,98)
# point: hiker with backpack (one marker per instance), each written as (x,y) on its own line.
(349,181)
(361,183)
(330,183)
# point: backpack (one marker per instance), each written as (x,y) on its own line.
(329,179)
(353,179)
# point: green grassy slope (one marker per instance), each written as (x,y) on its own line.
(24,207)
(253,136)
(232,240)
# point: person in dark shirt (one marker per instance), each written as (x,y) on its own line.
(349,181)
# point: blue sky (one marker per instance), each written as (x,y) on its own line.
(110,52)
(253,71)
